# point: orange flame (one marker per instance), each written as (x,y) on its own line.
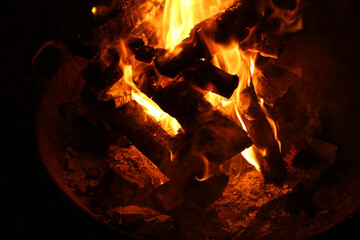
(271,122)
(94,10)
(232,60)
(250,155)
(206,174)
(167,122)
(180,16)
(125,87)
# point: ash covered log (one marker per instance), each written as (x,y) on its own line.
(233,24)
(259,130)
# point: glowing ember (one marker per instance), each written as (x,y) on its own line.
(94,10)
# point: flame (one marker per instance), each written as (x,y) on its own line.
(271,122)
(206,174)
(250,155)
(126,86)
(232,60)
(94,10)
(167,122)
(180,16)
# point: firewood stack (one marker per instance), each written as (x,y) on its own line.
(208,137)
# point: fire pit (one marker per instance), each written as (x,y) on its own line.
(198,120)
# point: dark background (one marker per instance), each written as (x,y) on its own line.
(31,204)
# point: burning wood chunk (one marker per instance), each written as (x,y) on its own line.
(273,81)
(141,130)
(260,132)
(183,57)
(208,77)
(202,122)
(202,74)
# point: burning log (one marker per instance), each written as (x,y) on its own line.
(209,137)
(202,74)
(208,77)
(233,24)
(141,130)
(259,130)
(219,137)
